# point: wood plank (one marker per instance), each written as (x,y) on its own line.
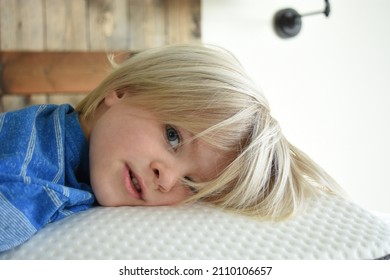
(50,72)
(66,25)
(146,20)
(13,102)
(22,25)
(72,99)
(183,21)
(108,30)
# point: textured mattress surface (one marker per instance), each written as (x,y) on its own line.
(330,228)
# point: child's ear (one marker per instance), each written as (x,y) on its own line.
(113,97)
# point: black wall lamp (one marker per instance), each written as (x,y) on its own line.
(288,22)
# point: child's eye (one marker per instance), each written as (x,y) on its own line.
(173,137)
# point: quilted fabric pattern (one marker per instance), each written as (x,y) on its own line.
(330,228)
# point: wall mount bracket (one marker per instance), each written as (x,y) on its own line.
(288,22)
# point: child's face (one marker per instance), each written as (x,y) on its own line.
(135,159)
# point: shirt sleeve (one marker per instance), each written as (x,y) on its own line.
(28,204)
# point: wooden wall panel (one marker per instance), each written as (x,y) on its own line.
(182,21)
(45,27)
(107,21)
(147,24)
(66,25)
(97,25)
(51,72)
(22,25)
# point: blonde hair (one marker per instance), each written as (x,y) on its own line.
(205,90)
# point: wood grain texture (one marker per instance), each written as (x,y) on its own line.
(107,24)
(37,37)
(182,21)
(66,25)
(51,72)
(22,25)
(147,24)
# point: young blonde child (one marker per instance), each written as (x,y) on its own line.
(175,124)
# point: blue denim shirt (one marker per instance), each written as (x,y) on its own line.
(44,170)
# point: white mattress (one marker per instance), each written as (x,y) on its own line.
(331,228)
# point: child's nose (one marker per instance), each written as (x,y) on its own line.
(165,177)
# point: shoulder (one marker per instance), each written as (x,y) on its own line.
(31,113)
(31,120)
(23,129)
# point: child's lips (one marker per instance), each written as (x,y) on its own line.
(133,188)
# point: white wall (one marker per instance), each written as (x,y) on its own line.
(329,87)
